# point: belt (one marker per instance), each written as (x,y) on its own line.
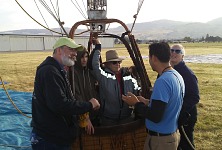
(153,133)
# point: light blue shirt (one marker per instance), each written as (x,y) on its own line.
(169,88)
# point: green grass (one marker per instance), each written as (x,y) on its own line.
(19,70)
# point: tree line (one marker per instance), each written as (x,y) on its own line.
(208,38)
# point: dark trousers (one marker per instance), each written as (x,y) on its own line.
(189,129)
(44,145)
(39,143)
(111,122)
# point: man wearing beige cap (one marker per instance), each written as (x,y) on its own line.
(114,81)
(54,108)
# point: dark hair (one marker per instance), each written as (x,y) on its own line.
(83,53)
(160,50)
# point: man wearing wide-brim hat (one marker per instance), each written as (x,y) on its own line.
(113,61)
(114,81)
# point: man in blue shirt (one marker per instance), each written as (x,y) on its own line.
(163,108)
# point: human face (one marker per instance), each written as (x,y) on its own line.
(151,62)
(84,60)
(176,55)
(68,56)
(115,66)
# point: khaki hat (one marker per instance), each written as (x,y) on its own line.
(64,41)
(112,55)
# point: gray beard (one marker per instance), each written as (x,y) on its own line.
(67,61)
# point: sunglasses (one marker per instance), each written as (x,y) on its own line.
(115,62)
(178,51)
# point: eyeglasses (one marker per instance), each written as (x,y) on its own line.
(178,51)
(115,62)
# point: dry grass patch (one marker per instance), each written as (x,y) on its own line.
(19,70)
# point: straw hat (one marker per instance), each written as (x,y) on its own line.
(112,55)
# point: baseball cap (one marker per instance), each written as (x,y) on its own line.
(64,41)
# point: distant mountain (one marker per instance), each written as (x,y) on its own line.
(216,22)
(34,31)
(167,29)
(154,30)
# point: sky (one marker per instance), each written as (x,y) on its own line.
(12,17)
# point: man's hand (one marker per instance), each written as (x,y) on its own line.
(95,41)
(130,99)
(89,128)
(142,99)
(95,103)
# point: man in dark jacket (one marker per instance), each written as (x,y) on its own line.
(188,114)
(114,81)
(54,108)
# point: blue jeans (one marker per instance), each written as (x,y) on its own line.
(39,143)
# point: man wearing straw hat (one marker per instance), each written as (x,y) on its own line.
(114,81)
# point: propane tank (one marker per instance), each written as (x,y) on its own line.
(97,9)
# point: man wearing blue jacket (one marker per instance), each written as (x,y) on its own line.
(114,81)
(188,115)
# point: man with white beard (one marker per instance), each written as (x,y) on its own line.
(54,108)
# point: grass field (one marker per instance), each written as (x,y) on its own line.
(18,68)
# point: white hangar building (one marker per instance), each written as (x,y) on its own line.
(12,42)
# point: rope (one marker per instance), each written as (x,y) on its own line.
(44,4)
(56,12)
(36,20)
(84,5)
(138,10)
(12,100)
(79,9)
(184,133)
(42,16)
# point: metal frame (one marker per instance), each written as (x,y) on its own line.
(131,46)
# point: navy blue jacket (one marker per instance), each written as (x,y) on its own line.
(191,97)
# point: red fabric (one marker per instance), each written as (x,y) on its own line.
(119,78)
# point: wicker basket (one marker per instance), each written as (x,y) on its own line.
(130,136)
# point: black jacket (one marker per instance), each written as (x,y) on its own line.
(54,108)
(191,97)
(86,86)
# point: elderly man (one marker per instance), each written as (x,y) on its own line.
(54,108)
(188,115)
(163,110)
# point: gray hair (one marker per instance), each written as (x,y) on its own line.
(181,47)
